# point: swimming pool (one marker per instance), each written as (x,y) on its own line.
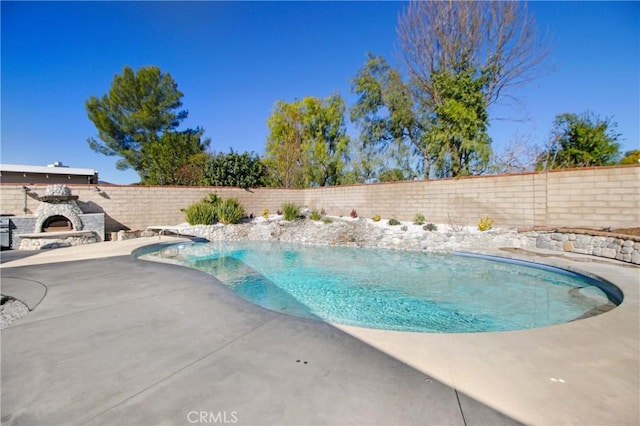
(386,289)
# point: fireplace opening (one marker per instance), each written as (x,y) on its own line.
(57,224)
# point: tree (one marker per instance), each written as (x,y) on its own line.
(631,157)
(391,175)
(139,108)
(580,141)
(284,154)
(495,39)
(233,169)
(326,140)
(307,142)
(460,57)
(177,158)
(386,112)
(457,135)
(518,156)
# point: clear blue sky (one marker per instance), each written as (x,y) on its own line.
(234,60)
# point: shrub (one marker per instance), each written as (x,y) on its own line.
(265,213)
(430,227)
(202,212)
(419,219)
(327,220)
(291,211)
(485,223)
(404,228)
(213,198)
(315,215)
(230,210)
(376,218)
(393,221)
(354,213)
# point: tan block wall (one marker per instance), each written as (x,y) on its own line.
(594,197)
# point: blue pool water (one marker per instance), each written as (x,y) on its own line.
(390,289)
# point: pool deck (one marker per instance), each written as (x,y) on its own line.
(116,340)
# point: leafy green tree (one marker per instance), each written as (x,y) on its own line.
(307,143)
(580,141)
(326,142)
(284,156)
(386,112)
(176,158)
(138,109)
(391,175)
(460,58)
(457,135)
(631,157)
(365,162)
(233,169)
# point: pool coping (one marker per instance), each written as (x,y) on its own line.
(583,372)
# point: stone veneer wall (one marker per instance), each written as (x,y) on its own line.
(589,197)
(622,247)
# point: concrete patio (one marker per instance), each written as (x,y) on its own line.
(115,340)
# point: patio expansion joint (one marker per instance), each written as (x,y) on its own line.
(183,368)
(460,406)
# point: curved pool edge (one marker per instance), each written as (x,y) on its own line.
(565,368)
(593,357)
(613,292)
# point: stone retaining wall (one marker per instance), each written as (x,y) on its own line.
(626,249)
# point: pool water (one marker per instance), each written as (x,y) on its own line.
(405,291)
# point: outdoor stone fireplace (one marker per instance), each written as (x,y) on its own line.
(58,211)
(57,222)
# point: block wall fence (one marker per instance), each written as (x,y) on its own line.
(588,197)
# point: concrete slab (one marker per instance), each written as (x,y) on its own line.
(583,372)
(118,320)
(122,341)
(29,292)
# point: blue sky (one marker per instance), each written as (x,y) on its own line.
(234,60)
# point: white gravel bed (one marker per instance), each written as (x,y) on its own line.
(11,311)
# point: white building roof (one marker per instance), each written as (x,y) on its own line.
(19,168)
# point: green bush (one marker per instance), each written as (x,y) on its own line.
(376,218)
(393,221)
(202,212)
(430,227)
(315,215)
(229,210)
(419,219)
(327,220)
(291,211)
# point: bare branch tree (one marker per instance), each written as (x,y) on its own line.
(497,39)
(520,155)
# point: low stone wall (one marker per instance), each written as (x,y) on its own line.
(363,233)
(50,240)
(624,248)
